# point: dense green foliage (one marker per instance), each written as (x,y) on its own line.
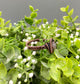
(19,65)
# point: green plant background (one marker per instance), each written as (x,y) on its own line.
(17,62)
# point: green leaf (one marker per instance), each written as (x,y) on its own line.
(12,75)
(17,51)
(36,10)
(44,64)
(77,71)
(33,15)
(45,73)
(51,30)
(63,23)
(64,34)
(2,44)
(76,81)
(43,81)
(16,29)
(68,43)
(77,43)
(67,8)
(29,20)
(68,71)
(62,49)
(70,12)
(51,59)
(10,26)
(0,13)
(55,23)
(44,20)
(38,21)
(67,19)
(65,80)
(3,32)
(54,72)
(63,9)
(31,30)
(2,58)
(7,22)
(77,24)
(57,54)
(27,52)
(2,22)
(60,45)
(31,8)
(3,71)
(9,53)
(3,82)
(61,63)
(74,61)
(65,65)
(75,18)
(45,33)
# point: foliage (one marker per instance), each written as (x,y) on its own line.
(19,65)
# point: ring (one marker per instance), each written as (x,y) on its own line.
(51,45)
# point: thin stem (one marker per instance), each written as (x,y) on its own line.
(71,20)
(72,51)
(2,54)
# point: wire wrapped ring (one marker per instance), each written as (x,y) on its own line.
(50,46)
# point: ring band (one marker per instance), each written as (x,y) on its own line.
(48,46)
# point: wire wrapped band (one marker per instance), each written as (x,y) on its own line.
(35,47)
(48,46)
